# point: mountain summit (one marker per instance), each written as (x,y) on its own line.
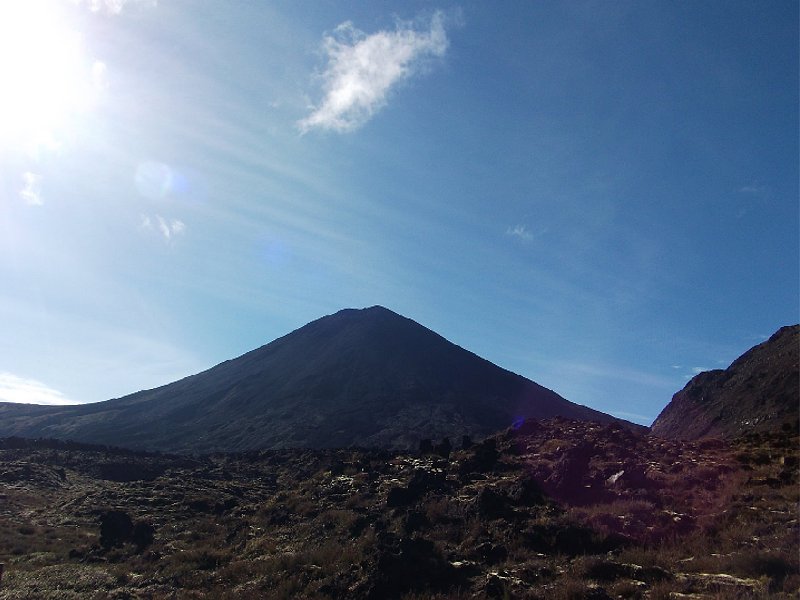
(365,377)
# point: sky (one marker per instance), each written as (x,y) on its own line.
(600,196)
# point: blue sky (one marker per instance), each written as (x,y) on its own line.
(601,196)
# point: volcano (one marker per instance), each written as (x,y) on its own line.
(367,377)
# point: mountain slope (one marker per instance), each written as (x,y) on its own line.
(759,392)
(358,377)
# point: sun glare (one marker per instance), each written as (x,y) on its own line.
(45,74)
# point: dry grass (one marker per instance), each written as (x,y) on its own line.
(310,525)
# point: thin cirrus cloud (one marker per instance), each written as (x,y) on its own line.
(29,391)
(362,70)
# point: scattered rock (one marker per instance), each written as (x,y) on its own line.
(314,524)
(720,584)
(608,571)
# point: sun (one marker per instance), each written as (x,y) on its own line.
(45,76)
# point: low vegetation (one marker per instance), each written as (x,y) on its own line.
(554,509)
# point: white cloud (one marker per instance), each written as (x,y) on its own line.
(164,227)
(520,232)
(698,370)
(167,228)
(115,7)
(178,227)
(29,391)
(362,69)
(31,191)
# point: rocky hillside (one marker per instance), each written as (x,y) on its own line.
(556,509)
(759,392)
(359,377)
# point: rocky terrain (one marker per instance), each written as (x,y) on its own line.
(359,377)
(760,391)
(549,509)
(573,504)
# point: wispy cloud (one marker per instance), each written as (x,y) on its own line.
(698,370)
(362,69)
(31,191)
(618,372)
(29,391)
(520,232)
(759,337)
(635,417)
(167,228)
(753,189)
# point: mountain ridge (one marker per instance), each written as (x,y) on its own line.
(759,391)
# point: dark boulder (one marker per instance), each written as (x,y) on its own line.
(444,448)
(399,496)
(491,553)
(425,446)
(116,528)
(411,565)
(422,481)
(414,521)
(526,491)
(142,535)
(483,458)
(571,476)
(128,471)
(491,504)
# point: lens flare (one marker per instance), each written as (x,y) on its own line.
(153,179)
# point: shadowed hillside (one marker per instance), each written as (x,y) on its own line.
(359,377)
(759,392)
